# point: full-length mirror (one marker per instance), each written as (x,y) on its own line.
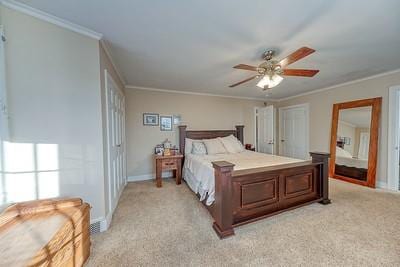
(354,141)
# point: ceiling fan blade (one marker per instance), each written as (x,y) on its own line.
(295,56)
(246,80)
(245,67)
(299,72)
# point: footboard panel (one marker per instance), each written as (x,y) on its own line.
(243,196)
(263,193)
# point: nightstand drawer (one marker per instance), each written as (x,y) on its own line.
(169,164)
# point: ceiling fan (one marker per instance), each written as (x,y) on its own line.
(272,71)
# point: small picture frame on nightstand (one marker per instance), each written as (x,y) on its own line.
(159,150)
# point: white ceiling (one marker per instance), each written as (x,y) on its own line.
(358,117)
(192,45)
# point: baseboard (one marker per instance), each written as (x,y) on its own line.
(150,176)
(98,225)
(102,224)
(382,185)
(107,222)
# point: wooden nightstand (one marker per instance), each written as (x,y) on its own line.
(168,163)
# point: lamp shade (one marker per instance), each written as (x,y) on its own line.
(269,81)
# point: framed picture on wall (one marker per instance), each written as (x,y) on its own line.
(166,123)
(150,119)
(177,119)
(347,141)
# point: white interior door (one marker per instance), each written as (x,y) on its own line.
(266,130)
(3,117)
(363,149)
(294,132)
(116,141)
(3,94)
(394,139)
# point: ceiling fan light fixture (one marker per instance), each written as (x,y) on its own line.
(270,71)
(269,81)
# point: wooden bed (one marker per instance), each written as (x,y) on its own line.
(352,172)
(245,196)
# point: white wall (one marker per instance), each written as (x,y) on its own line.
(321,113)
(54,97)
(347,130)
(198,113)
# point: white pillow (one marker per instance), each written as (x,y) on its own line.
(340,152)
(232,144)
(198,148)
(188,145)
(214,146)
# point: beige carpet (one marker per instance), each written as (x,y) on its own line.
(168,226)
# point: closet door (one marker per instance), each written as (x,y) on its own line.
(116,141)
(266,130)
(294,131)
(3,94)
(3,117)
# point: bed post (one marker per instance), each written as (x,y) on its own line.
(239,133)
(320,157)
(223,215)
(182,136)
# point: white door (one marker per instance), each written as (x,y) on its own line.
(116,141)
(3,117)
(363,149)
(266,130)
(394,139)
(3,94)
(294,132)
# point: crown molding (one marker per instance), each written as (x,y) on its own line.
(347,123)
(50,18)
(194,93)
(274,100)
(107,49)
(340,85)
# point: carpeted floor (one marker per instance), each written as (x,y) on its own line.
(168,226)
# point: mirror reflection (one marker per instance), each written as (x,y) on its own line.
(352,143)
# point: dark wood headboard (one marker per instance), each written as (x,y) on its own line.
(183,133)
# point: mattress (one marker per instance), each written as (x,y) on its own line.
(199,173)
(352,162)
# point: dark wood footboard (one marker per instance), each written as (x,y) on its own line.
(244,196)
(352,172)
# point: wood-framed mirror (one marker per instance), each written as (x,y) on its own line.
(354,141)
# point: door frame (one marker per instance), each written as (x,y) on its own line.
(256,128)
(394,138)
(306,107)
(108,78)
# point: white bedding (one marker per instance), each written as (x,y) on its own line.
(199,173)
(352,162)
(344,158)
